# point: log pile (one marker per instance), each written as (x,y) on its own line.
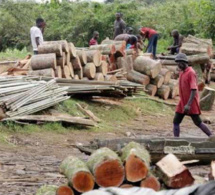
(105,168)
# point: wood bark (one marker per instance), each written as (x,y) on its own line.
(61,61)
(77,173)
(207,99)
(99,77)
(136,159)
(106,167)
(72,50)
(192,49)
(82,56)
(169,63)
(166,74)
(76,63)
(173,173)
(174,88)
(137,77)
(89,70)
(58,72)
(163,92)
(67,58)
(103,68)
(71,69)
(198,59)
(212,171)
(45,61)
(106,49)
(63,43)
(64,190)
(157,81)
(147,66)
(151,89)
(151,182)
(111,78)
(50,48)
(49,72)
(66,72)
(94,56)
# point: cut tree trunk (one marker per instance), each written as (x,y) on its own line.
(66,72)
(207,99)
(169,63)
(106,167)
(147,66)
(151,182)
(174,88)
(106,49)
(192,48)
(173,173)
(77,173)
(126,186)
(76,63)
(163,92)
(64,190)
(122,63)
(94,56)
(99,77)
(198,59)
(200,78)
(50,48)
(166,74)
(71,69)
(67,58)
(47,189)
(49,72)
(79,73)
(63,43)
(137,77)
(89,70)
(45,61)
(58,72)
(137,160)
(103,68)
(61,61)
(82,56)
(212,171)
(157,81)
(72,50)
(111,78)
(151,89)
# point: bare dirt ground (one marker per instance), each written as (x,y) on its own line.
(31,160)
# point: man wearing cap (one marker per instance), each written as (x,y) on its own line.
(177,42)
(189,97)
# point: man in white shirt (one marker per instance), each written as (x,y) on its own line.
(37,34)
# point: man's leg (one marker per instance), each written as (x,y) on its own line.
(176,124)
(35,52)
(150,45)
(198,122)
(155,41)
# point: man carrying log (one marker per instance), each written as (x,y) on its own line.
(119,25)
(36,33)
(177,42)
(94,40)
(152,36)
(189,97)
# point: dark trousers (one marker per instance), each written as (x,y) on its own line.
(174,51)
(35,52)
(152,47)
(179,118)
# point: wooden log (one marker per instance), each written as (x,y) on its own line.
(163,92)
(45,61)
(174,88)
(136,159)
(72,50)
(147,66)
(47,189)
(148,55)
(157,81)
(76,77)
(151,89)
(49,72)
(126,186)
(192,48)
(213,76)
(200,77)
(212,171)
(198,59)
(61,61)
(199,41)
(67,58)
(151,182)
(166,74)
(58,72)
(106,49)
(130,52)
(79,73)
(106,167)
(82,56)
(71,69)
(173,173)
(77,173)
(137,77)
(207,99)
(50,48)
(94,56)
(85,79)
(103,68)
(169,63)
(66,72)
(123,63)
(64,190)
(120,49)
(63,43)
(76,63)
(99,77)
(112,78)
(89,70)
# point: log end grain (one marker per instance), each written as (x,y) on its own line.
(126,186)
(151,89)
(99,77)
(151,182)
(64,190)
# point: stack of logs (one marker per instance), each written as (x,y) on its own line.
(105,168)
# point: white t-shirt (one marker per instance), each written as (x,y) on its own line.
(36,32)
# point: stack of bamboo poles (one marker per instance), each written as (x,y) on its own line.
(105,168)
(21,96)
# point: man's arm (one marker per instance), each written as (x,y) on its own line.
(37,39)
(190,101)
(123,27)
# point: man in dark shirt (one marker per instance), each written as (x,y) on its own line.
(178,39)
(119,26)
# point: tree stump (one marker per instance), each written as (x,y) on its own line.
(77,173)
(207,99)
(166,74)
(45,61)
(158,81)
(103,68)
(49,72)
(173,173)
(151,89)
(89,70)
(163,92)
(106,167)
(151,182)
(64,190)
(50,48)
(137,77)
(136,159)
(99,77)
(94,56)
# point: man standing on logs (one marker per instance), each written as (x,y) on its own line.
(119,25)
(178,40)
(189,97)
(152,36)
(37,34)
(94,40)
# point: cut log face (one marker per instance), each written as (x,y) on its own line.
(174,88)
(125,186)
(158,81)
(77,173)
(94,56)
(137,77)
(207,99)
(83,57)
(50,48)
(49,72)
(151,182)
(76,77)
(76,63)
(166,74)
(163,92)
(72,50)
(71,69)
(63,43)
(89,70)
(136,159)
(99,77)
(67,58)
(61,61)
(66,72)
(79,73)
(64,190)
(151,89)
(45,61)
(103,68)
(173,173)
(107,168)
